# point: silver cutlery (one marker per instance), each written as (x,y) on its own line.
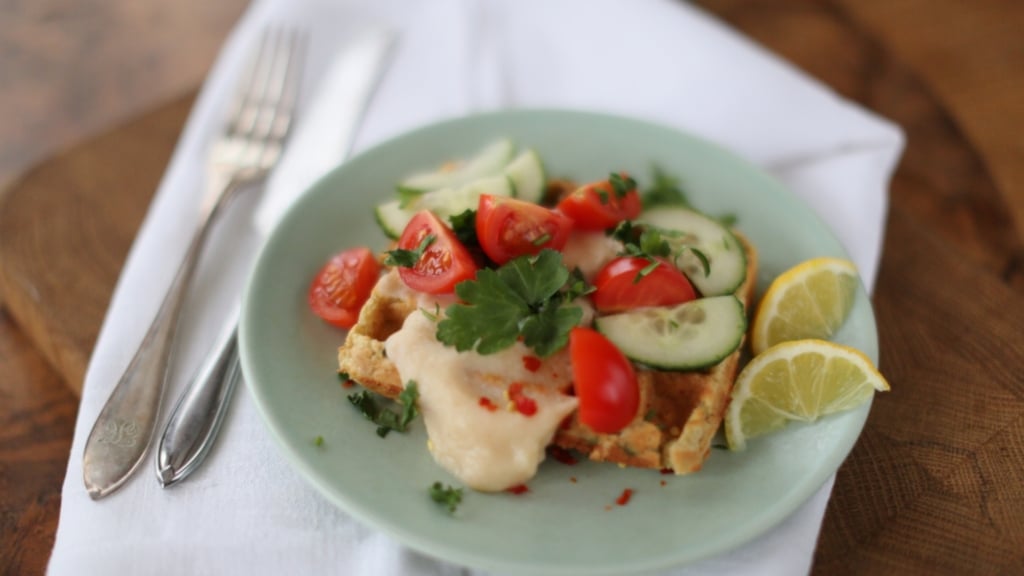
(196,419)
(241,157)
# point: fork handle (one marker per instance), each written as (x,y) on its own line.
(123,431)
(196,419)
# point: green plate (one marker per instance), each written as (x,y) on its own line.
(559,526)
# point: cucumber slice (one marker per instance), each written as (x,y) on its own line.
(527,174)
(489,161)
(393,217)
(727,261)
(690,336)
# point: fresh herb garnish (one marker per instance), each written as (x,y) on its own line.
(665,191)
(385,418)
(446,496)
(318,441)
(523,298)
(408,258)
(406,196)
(621,185)
(704,262)
(464,226)
(432,316)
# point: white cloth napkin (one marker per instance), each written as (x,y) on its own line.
(246,511)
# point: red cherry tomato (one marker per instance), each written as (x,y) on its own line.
(444,263)
(596,206)
(604,380)
(617,288)
(343,285)
(508,228)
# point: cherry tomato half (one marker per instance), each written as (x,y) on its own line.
(343,285)
(605,382)
(443,264)
(508,228)
(617,287)
(596,206)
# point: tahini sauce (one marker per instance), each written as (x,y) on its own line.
(488,450)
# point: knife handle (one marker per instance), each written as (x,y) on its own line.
(197,417)
(122,433)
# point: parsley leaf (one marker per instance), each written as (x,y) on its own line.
(665,191)
(408,258)
(385,418)
(704,262)
(522,298)
(446,496)
(621,185)
(464,226)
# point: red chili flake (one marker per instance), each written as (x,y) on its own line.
(531,363)
(572,479)
(623,499)
(522,403)
(485,402)
(562,455)
(666,471)
(348,384)
(518,489)
(663,483)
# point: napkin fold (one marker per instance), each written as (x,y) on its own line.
(246,511)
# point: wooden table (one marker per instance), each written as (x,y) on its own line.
(936,483)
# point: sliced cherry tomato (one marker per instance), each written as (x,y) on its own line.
(604,380)
(619,285)
(343,285)
(444,263)
(508,228)
(597,206)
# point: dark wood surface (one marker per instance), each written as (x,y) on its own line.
(936,484)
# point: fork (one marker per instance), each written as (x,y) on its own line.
(240,158)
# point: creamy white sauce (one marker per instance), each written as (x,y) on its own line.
(488,450)
(589,251)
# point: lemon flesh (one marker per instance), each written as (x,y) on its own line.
(810,300)
(800,380)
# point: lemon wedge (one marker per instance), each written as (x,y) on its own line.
(810,300)
(801,380)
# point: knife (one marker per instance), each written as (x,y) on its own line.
(340,103)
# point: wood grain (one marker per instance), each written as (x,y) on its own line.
(45,241)
(36,425)
(936,482)
(73,69)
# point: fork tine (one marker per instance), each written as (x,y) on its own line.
(268,105)
(282,87)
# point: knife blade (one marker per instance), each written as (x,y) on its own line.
(340,103)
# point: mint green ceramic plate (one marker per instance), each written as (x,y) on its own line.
(559,526)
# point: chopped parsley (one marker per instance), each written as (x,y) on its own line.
(621,185)
(665,191)
(464,226)
(651,242)
(408,258)
(318,441)
(522,299)
(385,418)
(446,496)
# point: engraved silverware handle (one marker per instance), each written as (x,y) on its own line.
(121,435)
(196,419)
